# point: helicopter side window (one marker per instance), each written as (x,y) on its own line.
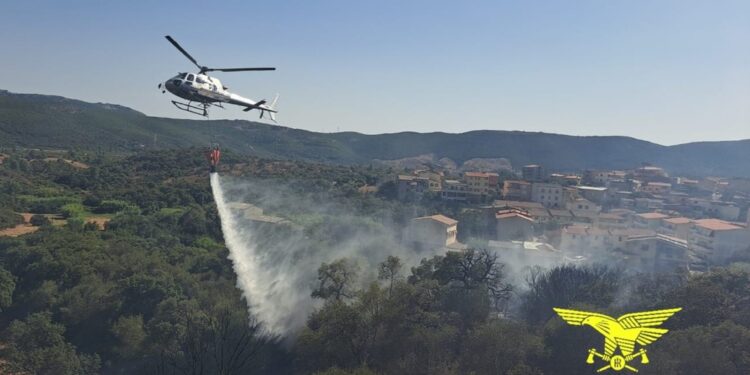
(190,77)
(199,79)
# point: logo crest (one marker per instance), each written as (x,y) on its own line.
(621,333)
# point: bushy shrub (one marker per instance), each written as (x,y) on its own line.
(48,204)
(9,218)
(40,220)
(71,210)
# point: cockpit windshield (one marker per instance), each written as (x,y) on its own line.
(191,77)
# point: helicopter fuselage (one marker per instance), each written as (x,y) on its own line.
(204,89)
(197,88)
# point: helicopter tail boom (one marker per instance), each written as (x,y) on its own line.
(263,107)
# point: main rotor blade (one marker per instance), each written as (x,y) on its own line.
(177,45)
(237,69)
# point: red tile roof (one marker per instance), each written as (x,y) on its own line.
(716,224)
(653,215)
(610,216)
(506,214)
(480,174)
(678,220)
(440,218)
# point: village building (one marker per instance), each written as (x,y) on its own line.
(561,217)
(482,183)
(615,185)
(723,210)
(609,220)
(516,190)
(513,224)
(718,241)
(583,205)
(540,215)
(595,194)
(598,178)
(657,188)
(533,173)
(655,253)
(584,240)
(454,190)
(564,180)
(639,250)
(647,204)
(525,205)
(411,187)
(549,195)
(435,179)
(678,227)
(521,254)
(434,231)
(649,172)
(649,220)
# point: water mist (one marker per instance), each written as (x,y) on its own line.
(251,279)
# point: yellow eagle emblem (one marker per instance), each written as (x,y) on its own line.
(623,332)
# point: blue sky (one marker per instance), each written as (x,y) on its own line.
(665,71)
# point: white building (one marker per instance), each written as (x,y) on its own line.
(549,195)
(453,190)
(724,210)
(595,194)
(649,220)
(583,205)
(678,227)
(718,240)
(657,188)
(432,231)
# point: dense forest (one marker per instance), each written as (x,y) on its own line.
(126,272)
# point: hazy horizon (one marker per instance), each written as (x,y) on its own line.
(197,118)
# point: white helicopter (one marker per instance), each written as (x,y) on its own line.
(202,91)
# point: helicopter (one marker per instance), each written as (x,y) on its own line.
(202,91)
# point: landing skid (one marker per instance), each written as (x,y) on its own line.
(200,109)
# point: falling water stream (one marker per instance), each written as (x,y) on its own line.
(255,282)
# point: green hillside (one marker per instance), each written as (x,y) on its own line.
(40,121)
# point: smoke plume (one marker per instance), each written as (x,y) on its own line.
(276,260)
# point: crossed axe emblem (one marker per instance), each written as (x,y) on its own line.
(617,362)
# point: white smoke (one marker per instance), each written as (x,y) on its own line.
(276,265)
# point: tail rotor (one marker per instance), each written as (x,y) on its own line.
(270,108)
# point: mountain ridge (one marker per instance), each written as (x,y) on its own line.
(45,121)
